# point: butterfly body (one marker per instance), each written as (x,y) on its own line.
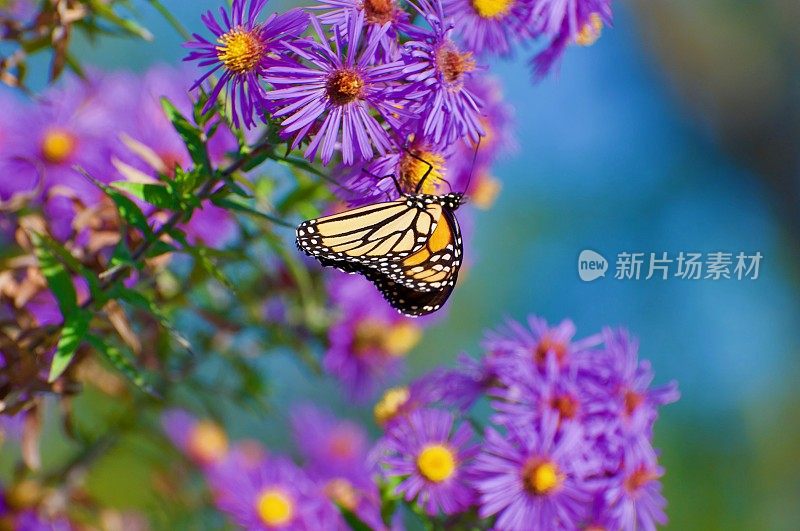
(410,248)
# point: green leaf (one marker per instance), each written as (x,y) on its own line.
(58,279)
(202,256)
(122,362)
(74,330)
(75,266)
(128,210)
(233,204)
(157,195)
(104,10)
(193,138)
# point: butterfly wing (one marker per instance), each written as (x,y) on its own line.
(436,264)
(374,234)
(422,283)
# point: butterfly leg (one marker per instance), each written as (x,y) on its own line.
(394,179)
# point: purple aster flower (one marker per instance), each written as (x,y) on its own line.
(566,22)
(244,50)
(202,441)
(335,447)
(634,502)
(489,26)
(336,457)
(397,403)
(369,339)
(372,181)
(66,128)
(340,87)
(275,494)
(460,387)
(532,479)
(524,394)
(629,383)
(434,460)
(537,344)
(437,69)
(377,13)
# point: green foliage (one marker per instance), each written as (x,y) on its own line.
(122,362)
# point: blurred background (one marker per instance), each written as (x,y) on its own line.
(679,130)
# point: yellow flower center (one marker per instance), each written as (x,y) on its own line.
(541,477)
(378,11)
(452,63)
(492,8)
(207,442)
(436,462)
(342,492)
(394,339)
(390,403)
(590,31)
(412,169)
(274,507)
(58,145)
(344,86)
(241,50)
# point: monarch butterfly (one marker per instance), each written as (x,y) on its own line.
(410,248)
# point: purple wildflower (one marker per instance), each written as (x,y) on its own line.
(341,87)
(525,394)
(437,70)
(275,494)
(377,13)
(334,447)
(244,49)
(369,339)
(635,501)
(566,22)
(489,26)
(515,343)
(336,457)
(532,479)
(202,441)
(372,181)
(463,386)
(636,403)
(66,128)
(434,460)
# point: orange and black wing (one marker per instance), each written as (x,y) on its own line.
(421,283)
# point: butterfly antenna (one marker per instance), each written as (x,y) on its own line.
(427,172)
(472,168)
